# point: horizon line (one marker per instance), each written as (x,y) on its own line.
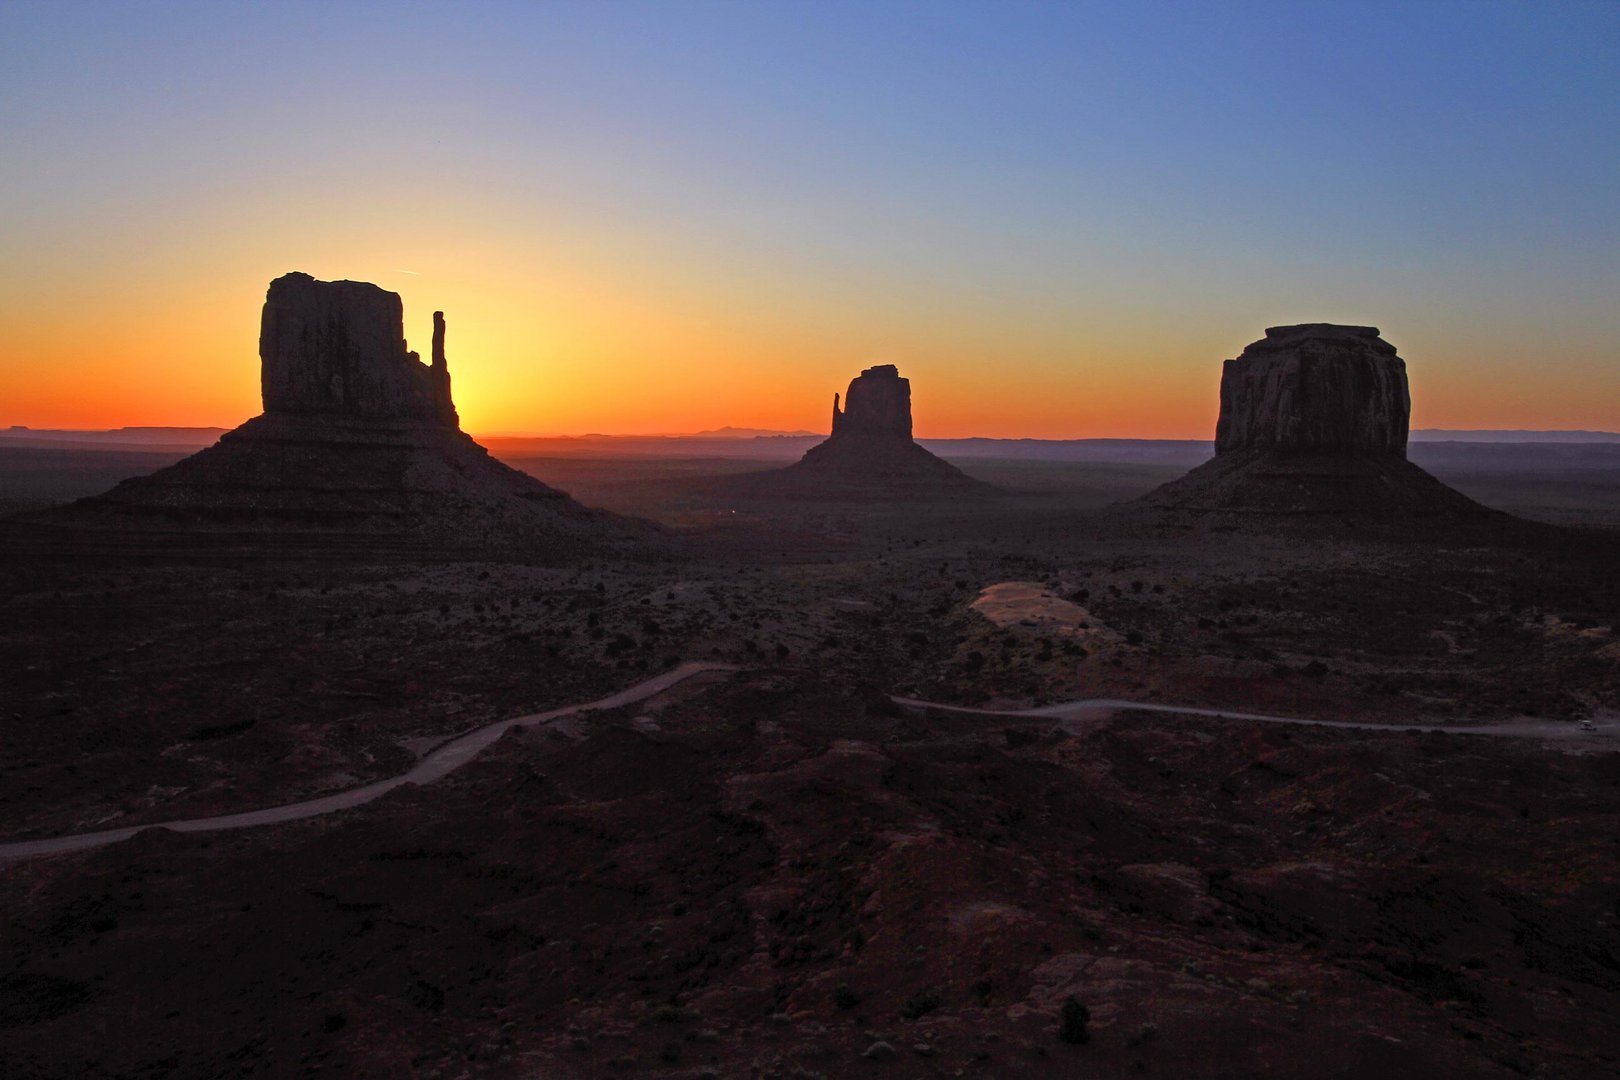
(772,433)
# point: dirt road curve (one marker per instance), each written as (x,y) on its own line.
(437,763)
(1074,710)
(458,751)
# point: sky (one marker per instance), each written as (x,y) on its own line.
(1056,219)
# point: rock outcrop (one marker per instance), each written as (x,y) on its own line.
(878,403)
(1314,421)
(1315,388)
(337,348)
(359,450)
(870,453)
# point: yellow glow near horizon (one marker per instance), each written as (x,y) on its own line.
(550,333)
(1056,220)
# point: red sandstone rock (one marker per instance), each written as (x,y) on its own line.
(1315,387)
(359,450)
(870,454)
(337,348)
(878,403)
(1314,422)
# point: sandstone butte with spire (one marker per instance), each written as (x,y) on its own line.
(358,448)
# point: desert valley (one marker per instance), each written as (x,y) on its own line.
(698,540)
(1303,763)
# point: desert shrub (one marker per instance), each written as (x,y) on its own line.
(1073,1020)
(669,1014)
(845,998)
(920,1004)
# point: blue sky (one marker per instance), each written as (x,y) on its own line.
(1051,185)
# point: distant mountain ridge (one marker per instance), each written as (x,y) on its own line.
(143,438)
(1511,435)
(745,441)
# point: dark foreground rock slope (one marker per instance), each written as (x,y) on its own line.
(359,450)
(1314,420)
(870,454)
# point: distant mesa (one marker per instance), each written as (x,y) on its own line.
(1314,420)
(870,453)
(358,449)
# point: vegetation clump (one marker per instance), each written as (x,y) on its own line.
(1074,1020)
(920,1004)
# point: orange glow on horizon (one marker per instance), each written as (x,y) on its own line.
(1056,220)
(558,339)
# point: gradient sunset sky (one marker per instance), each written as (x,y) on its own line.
(1057,219)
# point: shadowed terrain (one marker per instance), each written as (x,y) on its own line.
(1304,765)
(781,868)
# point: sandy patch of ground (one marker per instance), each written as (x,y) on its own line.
(1030,605)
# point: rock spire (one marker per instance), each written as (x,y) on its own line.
(870,453)
(359,453)
(337,348)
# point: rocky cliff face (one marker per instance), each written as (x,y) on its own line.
(358,451)
(870,454)
(1313,424)
(1316,387)
(337,348)
(878,403)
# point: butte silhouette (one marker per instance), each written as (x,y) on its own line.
(1314,421)
(870,453)
(358,450)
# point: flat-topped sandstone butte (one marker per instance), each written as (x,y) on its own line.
(1314,420)
(1315,387)
(870,453)
(878,404)
(337,348)
(359,450)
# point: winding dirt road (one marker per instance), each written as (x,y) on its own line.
(436,763)
(1074,710)
(451,755)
